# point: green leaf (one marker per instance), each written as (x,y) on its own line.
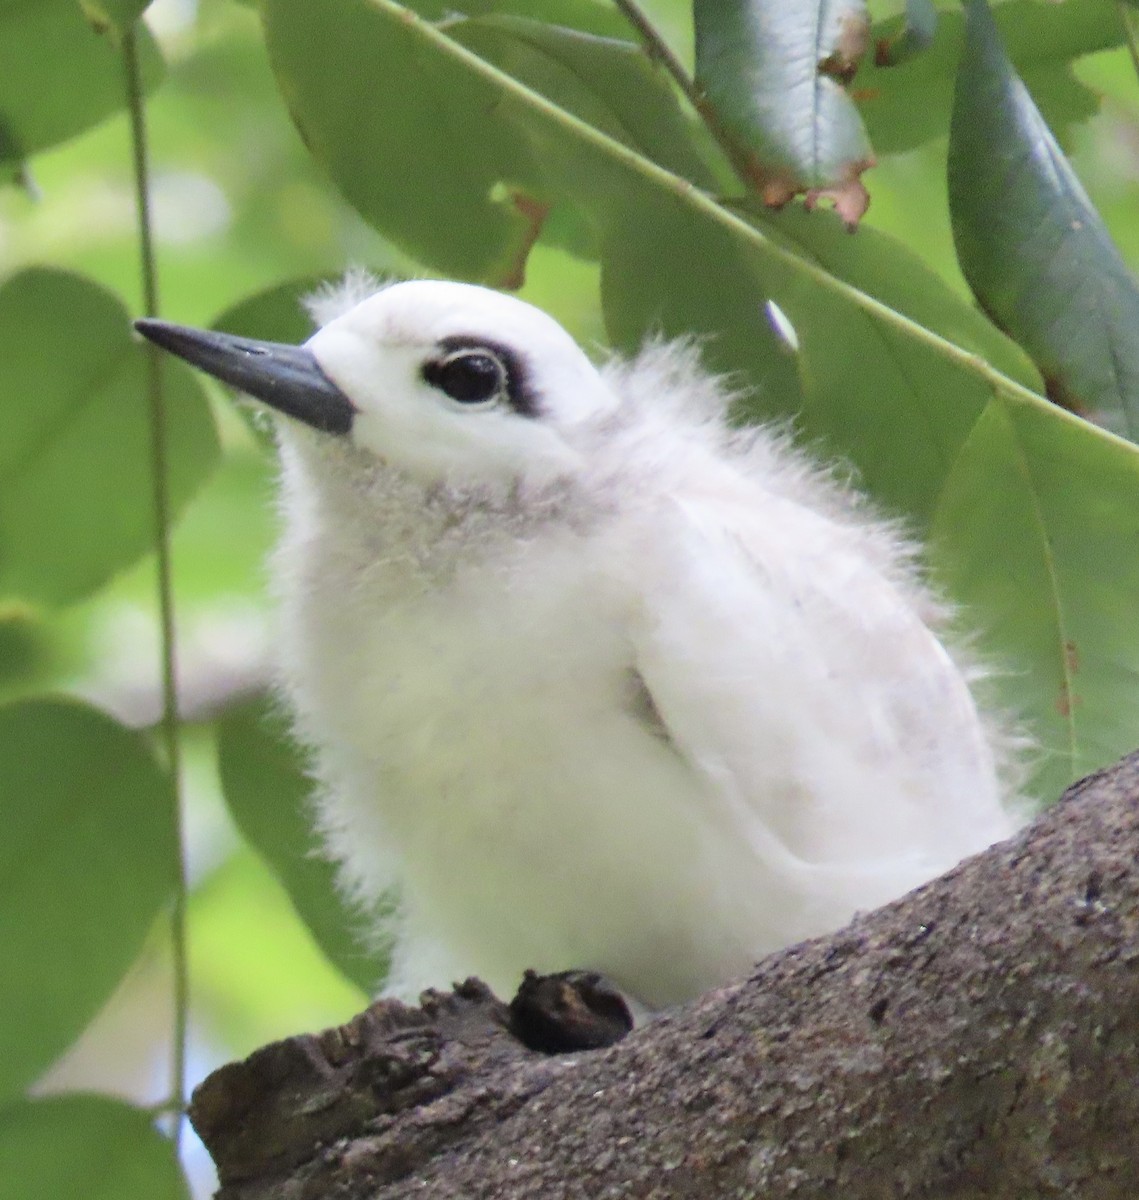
(919,26)
(26,650)
(1034,250)
(474,205)
(909,103)
(86,864)
(88,1146)
(883,267)
(57,77)
(269,794)
(774,73)
(75,477)
(587,16)
(900,417)
(113,16)
(346,78)
(611,84)
(1033,528)
(275,314)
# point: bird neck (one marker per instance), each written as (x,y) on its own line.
(373,517)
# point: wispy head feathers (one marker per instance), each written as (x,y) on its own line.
(332,300)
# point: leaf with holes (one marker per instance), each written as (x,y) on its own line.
(776,75)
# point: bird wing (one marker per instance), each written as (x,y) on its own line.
(797,678)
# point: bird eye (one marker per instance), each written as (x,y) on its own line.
(468,376)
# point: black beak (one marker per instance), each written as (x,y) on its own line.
(288,378)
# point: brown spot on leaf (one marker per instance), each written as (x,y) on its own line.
(853,39)
(774,187)
(1071,657)
(1057,390)
(838,70)
(1067,701)
(535,212)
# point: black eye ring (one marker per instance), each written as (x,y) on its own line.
(475,377)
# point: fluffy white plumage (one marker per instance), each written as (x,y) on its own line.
(606,684)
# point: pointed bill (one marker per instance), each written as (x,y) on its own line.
(287,378)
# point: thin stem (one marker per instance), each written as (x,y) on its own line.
(170,732)
(659,49)
(1128,33)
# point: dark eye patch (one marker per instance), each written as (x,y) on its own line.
(471,370)
(468,376)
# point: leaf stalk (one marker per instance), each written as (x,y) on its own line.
(657,48)
(169,728)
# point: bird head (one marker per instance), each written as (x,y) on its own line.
(444,382)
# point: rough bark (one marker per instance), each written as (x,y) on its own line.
(977,1038)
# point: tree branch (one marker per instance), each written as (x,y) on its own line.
(979,1037)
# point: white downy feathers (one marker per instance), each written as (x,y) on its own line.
(594,680)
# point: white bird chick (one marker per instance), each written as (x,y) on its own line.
(595,679)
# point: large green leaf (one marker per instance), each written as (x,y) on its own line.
(275,313)
(449,206)
(57,76)
(1034,250)
(269,794)
(85,1146)
(87,861)
(908,103)
(75,474)
(774,73)
(25,650)
(1033,522)
(474,204)
(876,387)
(900,417)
